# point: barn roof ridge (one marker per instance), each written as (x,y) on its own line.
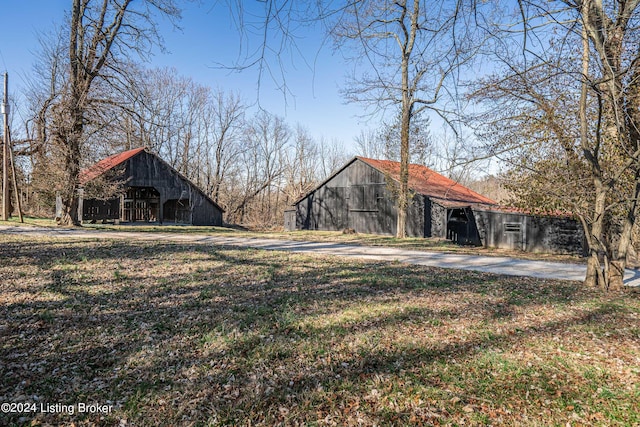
(106,164)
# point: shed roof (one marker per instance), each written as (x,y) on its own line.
(529,212)
(104,165)
(429,183)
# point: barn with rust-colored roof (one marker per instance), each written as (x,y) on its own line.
(147,189)
(360,196)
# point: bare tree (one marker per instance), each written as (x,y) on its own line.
(99,35)
(332,156)
(301,165)
(263,155)
(228,112)
(572,98)
(369,144)
(410,50)
(382,143)
(43,93)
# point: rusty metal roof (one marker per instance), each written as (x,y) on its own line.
(429,183)
(530,212)
(104,165)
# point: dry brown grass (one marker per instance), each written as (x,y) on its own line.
(174,334)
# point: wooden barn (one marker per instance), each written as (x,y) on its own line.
(360,196)
(149,189)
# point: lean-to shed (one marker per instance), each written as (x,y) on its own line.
(550,232)
(150,190)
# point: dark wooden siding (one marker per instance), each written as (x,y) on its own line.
(148,171)
(290,220)
(416,216)
(530,233)
(358,197)
(100,210)
(437,220)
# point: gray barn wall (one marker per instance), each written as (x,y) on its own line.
(290,220)
(529,233)
(358,198)
(147,170)
(416,216)
(438,220)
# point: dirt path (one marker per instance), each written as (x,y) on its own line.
(490,264)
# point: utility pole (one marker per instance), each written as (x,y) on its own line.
(14,178)
(5,151)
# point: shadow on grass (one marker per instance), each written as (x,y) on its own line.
(232,336)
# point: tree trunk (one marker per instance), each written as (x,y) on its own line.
(403,197)
(69,193)
(615,280)
(595,275)
(405,126)
(619,264)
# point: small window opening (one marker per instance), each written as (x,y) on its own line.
(512,227)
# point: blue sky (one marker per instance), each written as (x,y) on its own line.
(208,37)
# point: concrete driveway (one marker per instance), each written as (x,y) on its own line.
(489,264)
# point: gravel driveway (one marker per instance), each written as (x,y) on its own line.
(489,264)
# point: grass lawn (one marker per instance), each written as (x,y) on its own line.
(426,244)
(171,334)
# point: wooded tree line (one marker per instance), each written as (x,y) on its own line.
(251,162)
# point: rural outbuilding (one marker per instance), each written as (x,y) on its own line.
(360,196)
(521,230)
(148,190)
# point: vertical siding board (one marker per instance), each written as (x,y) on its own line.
(428,218)
(416,216)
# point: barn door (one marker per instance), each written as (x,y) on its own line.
(335,211)
(513,235)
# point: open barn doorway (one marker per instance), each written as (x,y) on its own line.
(177,211)
(141,204)
(461,227)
